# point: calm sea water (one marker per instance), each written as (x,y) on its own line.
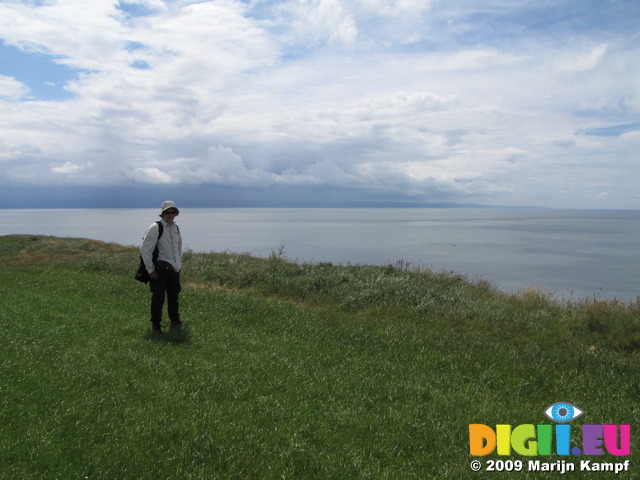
(570,253)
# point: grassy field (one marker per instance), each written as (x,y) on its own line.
(289,371)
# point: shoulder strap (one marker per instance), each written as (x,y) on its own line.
(160,228)
(154,256)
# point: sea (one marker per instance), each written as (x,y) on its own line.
(569,254)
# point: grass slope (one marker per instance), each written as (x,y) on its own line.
(286,370)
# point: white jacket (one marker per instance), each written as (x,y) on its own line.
(169,245)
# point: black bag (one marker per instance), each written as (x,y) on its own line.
(142,275)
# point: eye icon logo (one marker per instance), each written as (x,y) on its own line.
(563,412)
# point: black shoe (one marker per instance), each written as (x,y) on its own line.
(176,325)
(156,327)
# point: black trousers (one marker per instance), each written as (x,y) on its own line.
(168,283)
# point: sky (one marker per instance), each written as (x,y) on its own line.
(320,103)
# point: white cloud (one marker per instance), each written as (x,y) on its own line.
(397,7)
(67,168)
(584,62)
(322,21)
(151,175)
(12,89)
(400,95)
(55,28)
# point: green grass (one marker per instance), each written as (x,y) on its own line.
(287,370)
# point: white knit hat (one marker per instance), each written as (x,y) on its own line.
(167,205)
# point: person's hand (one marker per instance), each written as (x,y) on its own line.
(154,275)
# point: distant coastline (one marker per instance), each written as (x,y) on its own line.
(363,205)
(214,196)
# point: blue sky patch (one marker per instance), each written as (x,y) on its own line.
(135,9)
(613,130)
(141,65)
(133,46)
(44,77)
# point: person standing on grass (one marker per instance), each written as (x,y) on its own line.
(165,272)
